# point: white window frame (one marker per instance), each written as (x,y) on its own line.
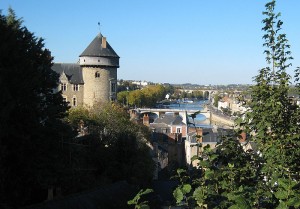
(75,87)
(63,87)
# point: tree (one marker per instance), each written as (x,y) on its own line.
(116,148)
(274,120)
(216,100)
(31,113)
(269,176)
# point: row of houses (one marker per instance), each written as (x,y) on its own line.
(174,142)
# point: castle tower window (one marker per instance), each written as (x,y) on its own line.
(74,101)
(63,87)
(113,87)
(97,75)
(75,87)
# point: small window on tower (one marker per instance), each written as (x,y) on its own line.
(113,87)
(74,101)
(97,75)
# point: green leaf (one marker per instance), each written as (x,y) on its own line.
(209,174)
(283,183)
(144,207)
(186,188)
(240,201)
(281,194)
(199,195)
(130,202)
(178,195)
(231,165)
(295,202)
(147,191)
(180,171)
(282,205)
(195,157)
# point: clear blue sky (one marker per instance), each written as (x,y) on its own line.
(168,41)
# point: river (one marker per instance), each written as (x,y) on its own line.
(200,119)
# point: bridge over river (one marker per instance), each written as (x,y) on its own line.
(182,112)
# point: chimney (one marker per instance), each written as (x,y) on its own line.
(199,132)
(243,137)
(146,120)
(103,45)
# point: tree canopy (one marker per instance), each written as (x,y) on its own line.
(116,147)
(31,113)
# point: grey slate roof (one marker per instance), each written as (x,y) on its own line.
(169,119)
(95,49)
(73,72)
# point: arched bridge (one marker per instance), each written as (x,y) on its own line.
(182,112)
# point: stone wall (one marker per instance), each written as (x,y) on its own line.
(97,89)
(69,94)
(219,120)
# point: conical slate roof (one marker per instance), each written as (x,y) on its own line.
(95,49)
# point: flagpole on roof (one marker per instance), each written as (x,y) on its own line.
(99,25)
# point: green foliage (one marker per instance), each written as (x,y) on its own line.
(274,119)
(136,200)
(31,125)
(183,190)
(146,97)
(116,147)
(228,177)
(216,100)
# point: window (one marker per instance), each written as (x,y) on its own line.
(64,99)
(63,87)
(178,130)
(113,87)
(74,101)
(75,87)
(97,75)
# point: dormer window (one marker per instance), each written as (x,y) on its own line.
(75,87)
(63,87)
(97,75)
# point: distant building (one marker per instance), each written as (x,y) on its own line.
(93,79)
(210,136)
(168,133)
(169,124)
(141,83)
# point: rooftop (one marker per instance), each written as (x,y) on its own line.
(95,49)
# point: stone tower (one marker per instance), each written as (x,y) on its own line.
(99,63)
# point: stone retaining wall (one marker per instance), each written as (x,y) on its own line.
(218,120)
